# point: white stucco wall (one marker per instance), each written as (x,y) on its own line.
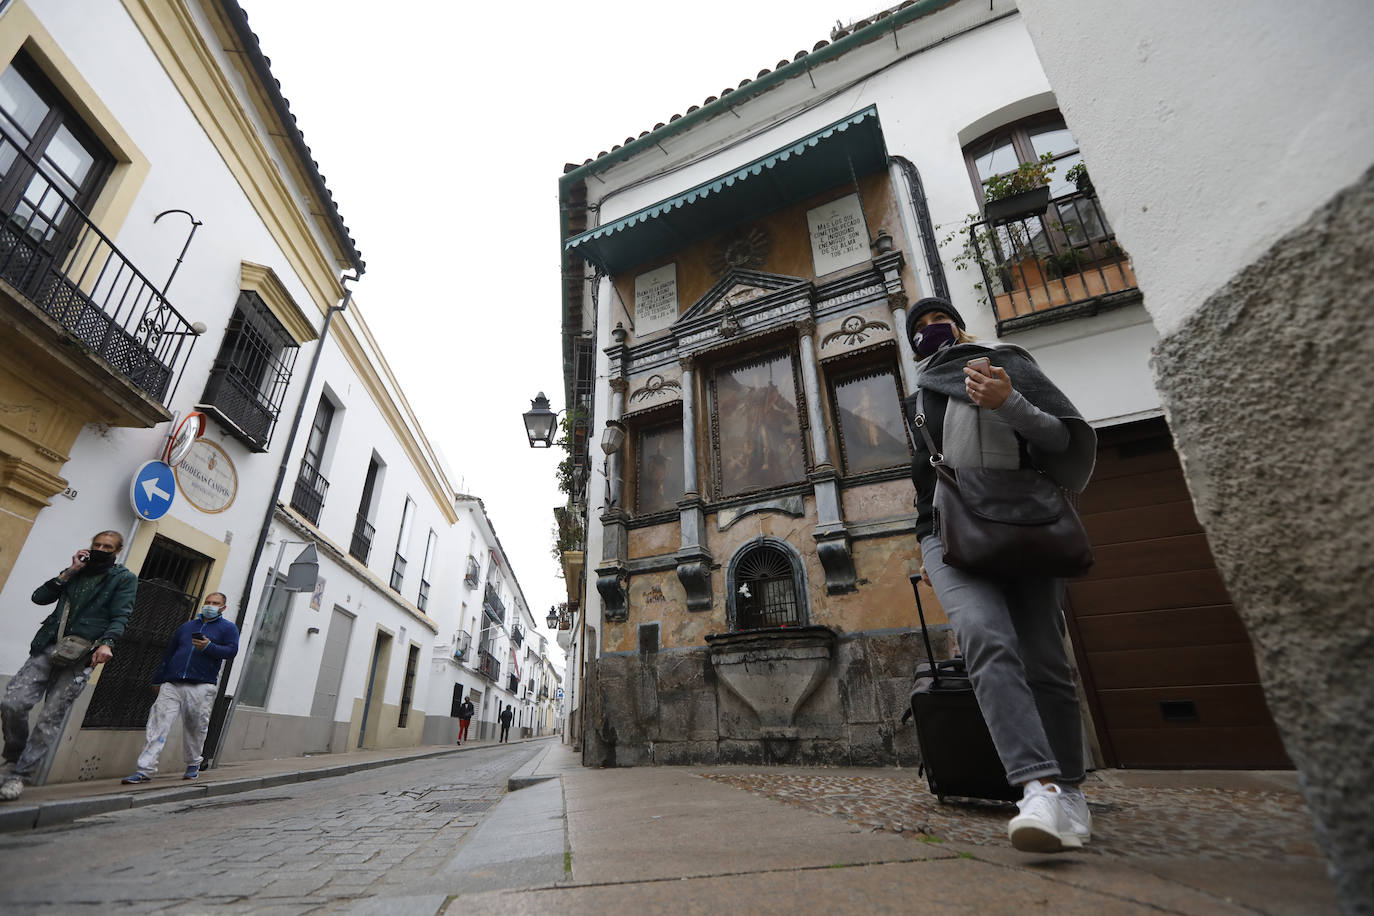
(1202,86)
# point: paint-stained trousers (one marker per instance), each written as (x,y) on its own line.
(38,679)
(178,698)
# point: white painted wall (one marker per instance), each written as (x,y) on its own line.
(1251,112)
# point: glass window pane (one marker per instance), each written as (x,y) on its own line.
(870,416)
(71,160)
(1052,139)
(994,157)
(24,109)
(659,469)
(1059,185)
(760,430)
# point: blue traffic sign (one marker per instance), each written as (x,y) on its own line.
(153,490)
(560,693)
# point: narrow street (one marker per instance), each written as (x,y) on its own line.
(367,842)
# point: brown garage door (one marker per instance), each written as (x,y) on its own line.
(1168,668)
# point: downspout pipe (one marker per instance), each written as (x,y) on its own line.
(220,704)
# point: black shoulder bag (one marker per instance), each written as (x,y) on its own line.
(1002,523)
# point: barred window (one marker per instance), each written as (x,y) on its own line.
(765,589)
(251,371)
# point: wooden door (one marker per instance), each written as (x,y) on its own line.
(1167,665)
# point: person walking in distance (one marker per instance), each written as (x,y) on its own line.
(94,598)
(185,685)
(465,712)
(507,717)
(992,407)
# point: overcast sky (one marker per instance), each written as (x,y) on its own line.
(442,129)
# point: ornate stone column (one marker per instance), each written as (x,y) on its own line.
(832,540)
(612,576)
(693,558)
(906,361)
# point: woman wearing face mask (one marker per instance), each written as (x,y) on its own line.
(185,686)
(1006,414)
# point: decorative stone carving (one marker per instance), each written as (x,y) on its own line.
(613,584)
(896,300)
(773,671)
(794,506)
(745,249)
(832,549)
(655,386)
(854,329)
(618,384)
(694,572)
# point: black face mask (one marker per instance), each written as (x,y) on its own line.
(932,338)
(99,561)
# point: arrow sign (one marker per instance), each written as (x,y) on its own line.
(152,491)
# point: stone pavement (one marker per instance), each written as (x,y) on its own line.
(775,839)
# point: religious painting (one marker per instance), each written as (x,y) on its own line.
(872,431)
(658,469)
(758,425)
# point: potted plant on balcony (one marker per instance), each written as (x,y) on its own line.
(1019,193)
(1080,178)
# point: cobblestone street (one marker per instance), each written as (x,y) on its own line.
(291,848)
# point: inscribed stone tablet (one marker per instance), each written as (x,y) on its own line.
(839,237)
(655,299)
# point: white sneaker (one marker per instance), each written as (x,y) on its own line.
(1076,807)
(11,788)
(1043,824)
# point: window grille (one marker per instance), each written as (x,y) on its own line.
(765,590)
(250,374)
(408,687)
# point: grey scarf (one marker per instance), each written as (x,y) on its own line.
(943,373)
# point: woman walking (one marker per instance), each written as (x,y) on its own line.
(1003,412)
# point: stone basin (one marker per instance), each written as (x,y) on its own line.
(773,671)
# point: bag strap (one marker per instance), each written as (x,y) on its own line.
(919,421)
(66,608)
(925,634)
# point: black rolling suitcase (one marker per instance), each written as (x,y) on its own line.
(957,756)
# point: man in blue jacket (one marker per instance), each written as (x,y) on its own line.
(94,598)
(185,685)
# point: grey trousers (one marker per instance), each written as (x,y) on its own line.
(1012,636)
(38,679)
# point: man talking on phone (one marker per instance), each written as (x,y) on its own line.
(94,596)
(185,685)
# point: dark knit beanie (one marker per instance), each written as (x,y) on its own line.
(925,307)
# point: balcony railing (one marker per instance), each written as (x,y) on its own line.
(398,572)
(360,548)
(474,572)
(517,634)
(464,645)
(513,684)
(488,666)
(1065,259)
(53,254)
(491,604)
(308,496)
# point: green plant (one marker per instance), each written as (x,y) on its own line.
(1026,177)
(1079,176)
(1064,263)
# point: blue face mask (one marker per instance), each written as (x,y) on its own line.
(210,612)
(932,338)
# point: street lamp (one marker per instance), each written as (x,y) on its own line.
(540,422)
(553,617)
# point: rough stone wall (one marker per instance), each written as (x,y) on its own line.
(670,708)
(1267,388)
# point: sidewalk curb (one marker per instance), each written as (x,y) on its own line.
(526,776)
(19,816)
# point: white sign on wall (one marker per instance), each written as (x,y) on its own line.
(655,299)
(206,477)
(839,236)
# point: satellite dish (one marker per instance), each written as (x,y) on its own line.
(186,435)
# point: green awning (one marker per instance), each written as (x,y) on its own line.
(829,158)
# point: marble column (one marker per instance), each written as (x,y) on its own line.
(906,360)
(612,577)
(693,557)
(832,539)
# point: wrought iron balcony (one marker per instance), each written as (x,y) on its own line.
(474,572)
(517,634)
(464,645)
(492,606)
(55,257)
(308,496)
(488,666)
(514,683)
(360,548)
(1064,260)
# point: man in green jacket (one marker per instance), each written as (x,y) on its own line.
(95,596)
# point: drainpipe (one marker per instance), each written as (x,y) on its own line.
(219,708)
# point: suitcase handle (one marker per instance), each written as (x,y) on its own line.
(925,635)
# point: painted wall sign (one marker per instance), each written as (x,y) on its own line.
(655,299)
(839,236)
(207,477)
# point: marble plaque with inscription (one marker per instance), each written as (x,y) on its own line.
(655,299)
(839,236)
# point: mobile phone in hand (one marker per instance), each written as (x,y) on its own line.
(981,364)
